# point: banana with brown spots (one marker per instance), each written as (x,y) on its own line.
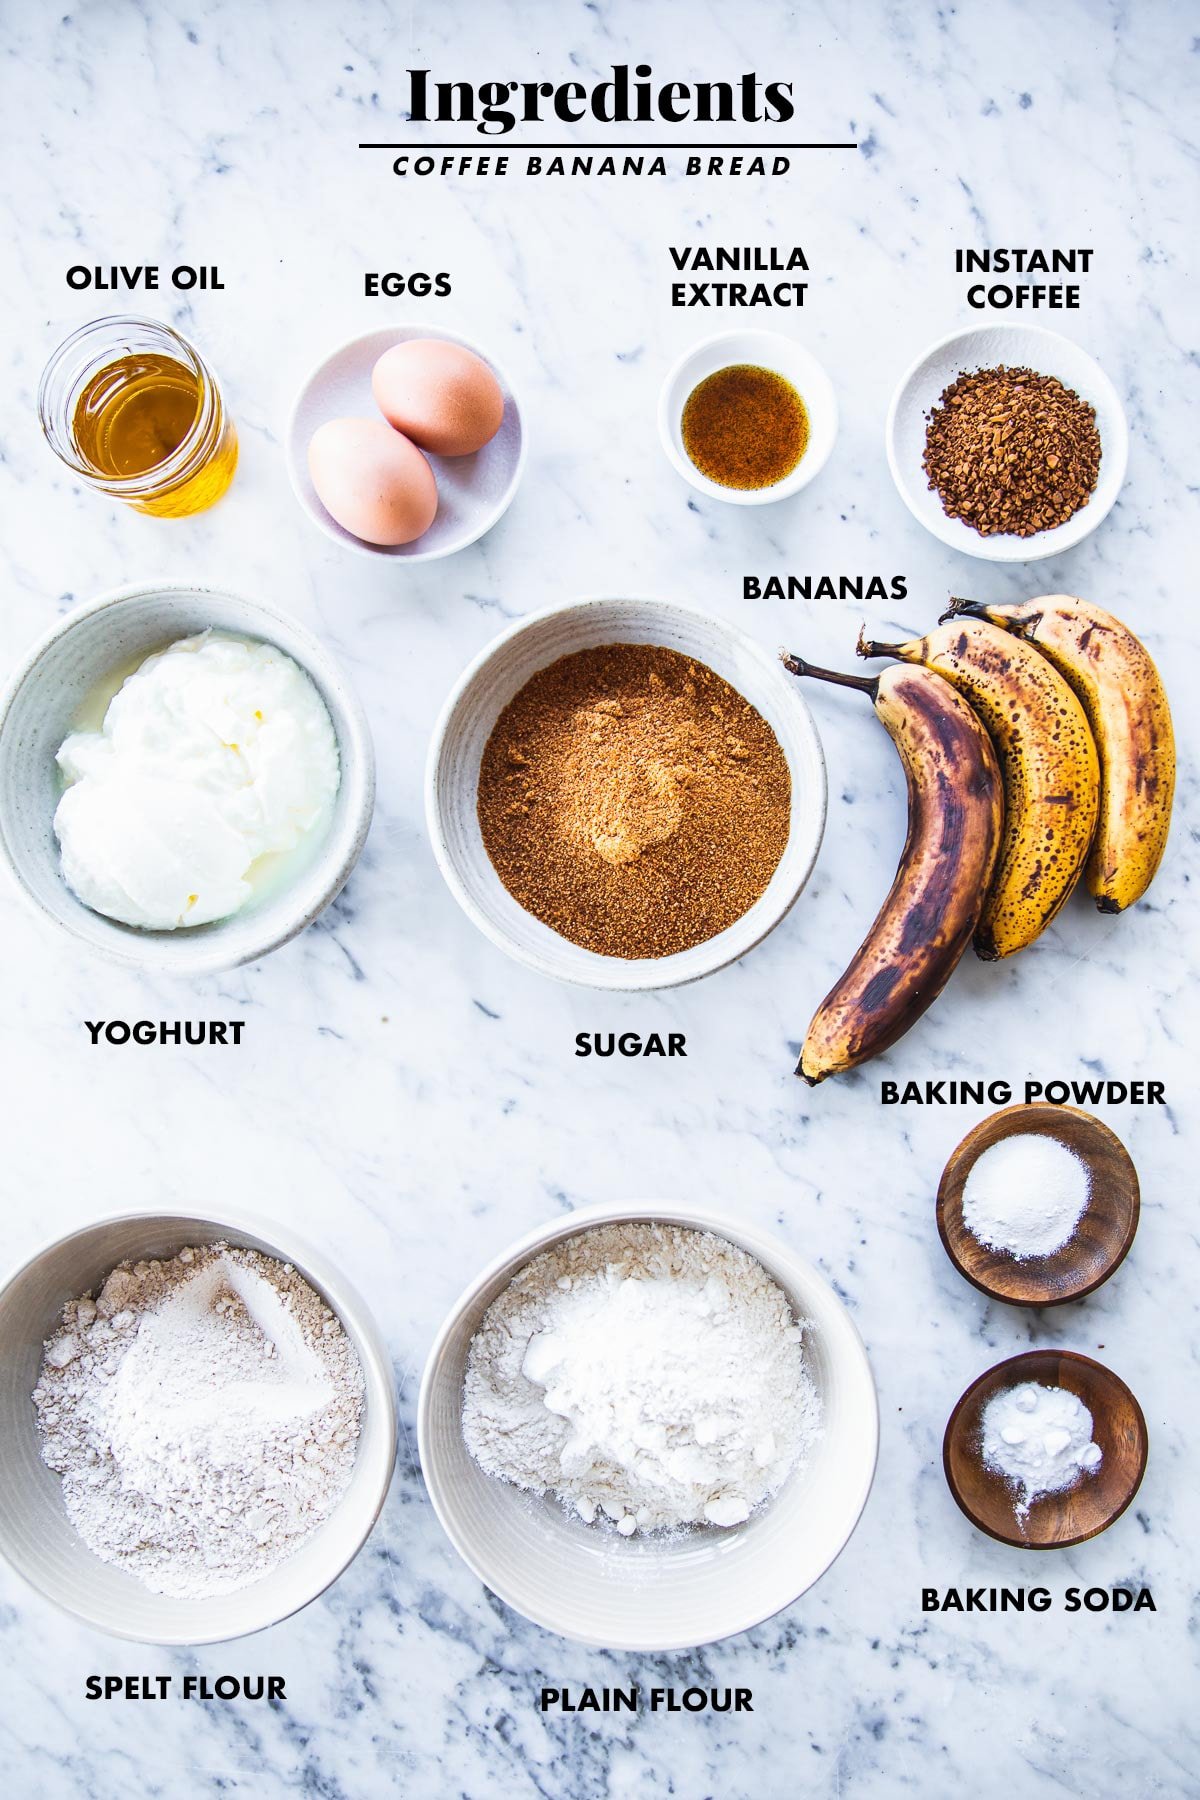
(1114,678)
(1048,760)
(955,814)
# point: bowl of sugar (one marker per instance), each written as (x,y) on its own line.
(634,1575)
(161,1519)
(472,722)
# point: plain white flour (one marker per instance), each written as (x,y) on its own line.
(203,1414)
(649,1373)
(1026,1194)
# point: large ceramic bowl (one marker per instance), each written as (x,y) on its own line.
(35,1534)
(987,347)
(497,675)
(660,1592)
(39,708)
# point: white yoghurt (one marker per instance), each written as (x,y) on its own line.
(215,753)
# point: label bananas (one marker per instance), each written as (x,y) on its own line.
(955,814)
(1048,761)
(1119,688)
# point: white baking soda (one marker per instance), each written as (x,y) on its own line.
(1039,1439)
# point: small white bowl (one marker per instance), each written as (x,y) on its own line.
(500,671)
(767,350)
(987,347)
(473,491)
(36,1535)
(39,707)
(656,1593)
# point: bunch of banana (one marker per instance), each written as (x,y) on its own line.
(1048,762)
(955,812)
(1113,677)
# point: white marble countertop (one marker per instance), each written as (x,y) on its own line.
(410,1098)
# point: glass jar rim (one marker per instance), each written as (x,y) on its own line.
(162,473)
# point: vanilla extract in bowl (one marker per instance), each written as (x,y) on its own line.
(745,427)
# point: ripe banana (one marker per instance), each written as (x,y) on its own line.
(1048,760)
(955,814)
(1119,688)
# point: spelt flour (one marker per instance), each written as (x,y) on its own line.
(203,1414)
(648,1373)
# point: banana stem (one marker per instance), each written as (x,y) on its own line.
(971,609)
(796,665)
(868,647)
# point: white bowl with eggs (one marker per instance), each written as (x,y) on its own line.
(659,1591)
(473,491)
(41,706)
(36,1535)
(763,350)
(499,672)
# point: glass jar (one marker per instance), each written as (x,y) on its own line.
(114,405)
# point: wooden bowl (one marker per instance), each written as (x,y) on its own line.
(1104,1232)
(1054,1521)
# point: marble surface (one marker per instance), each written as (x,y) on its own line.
(410,1098)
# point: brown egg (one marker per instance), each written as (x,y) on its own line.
(443,397)
(372,480)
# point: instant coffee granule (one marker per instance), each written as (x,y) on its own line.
(633,800)
(1009,450)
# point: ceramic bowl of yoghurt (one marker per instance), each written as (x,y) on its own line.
(186,777)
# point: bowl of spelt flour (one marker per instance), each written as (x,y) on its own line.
(197,1425)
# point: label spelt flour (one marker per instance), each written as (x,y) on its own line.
(203,1414)
(649,1373)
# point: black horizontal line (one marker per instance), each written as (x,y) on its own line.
(496,144)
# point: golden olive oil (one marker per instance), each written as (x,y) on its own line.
(135,414)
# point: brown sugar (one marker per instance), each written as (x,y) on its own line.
(633,800)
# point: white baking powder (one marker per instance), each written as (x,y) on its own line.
(649,1373)
(204,1416)
(1026,1195)
(1039,1439)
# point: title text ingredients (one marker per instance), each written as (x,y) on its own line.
(1011,451)
(203,1413)
(633,800)
(1040,1440)
(745,427)
(1026,1195)
(216,758)
(649,1374)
